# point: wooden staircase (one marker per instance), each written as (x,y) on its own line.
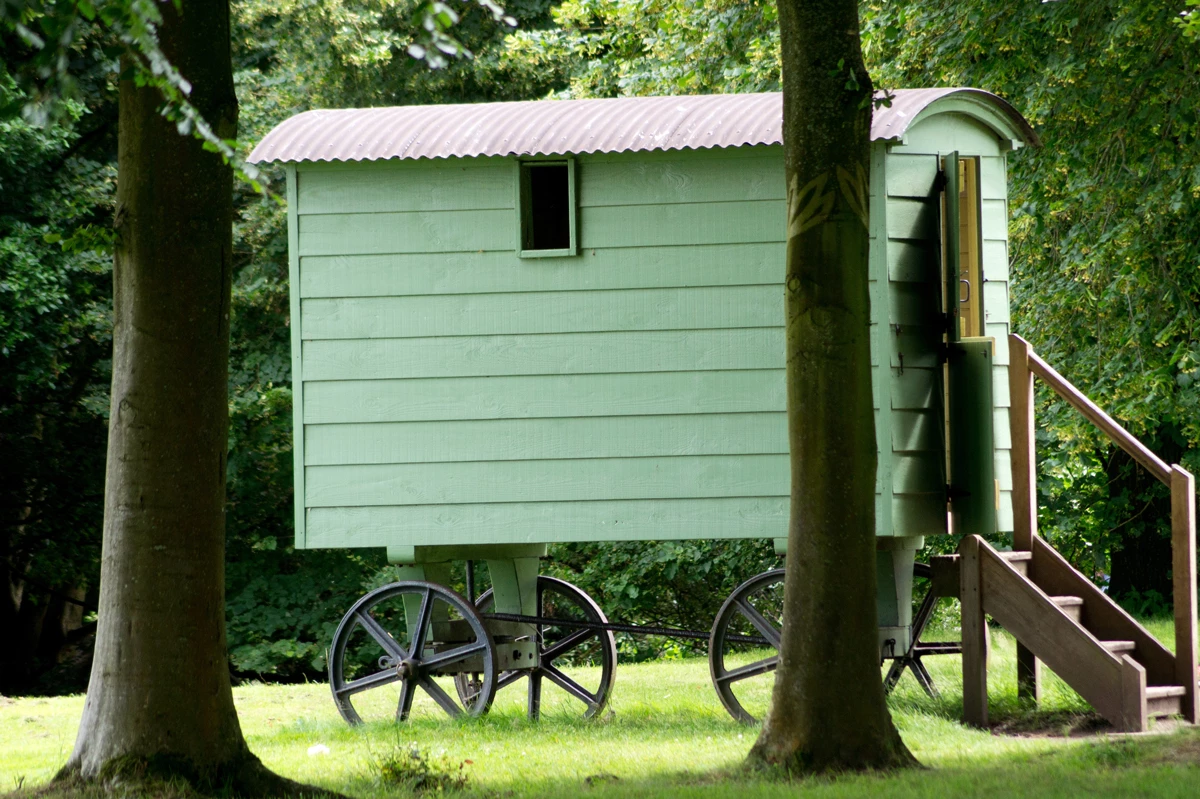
(1057,615)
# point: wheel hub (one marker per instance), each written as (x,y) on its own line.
(407,669)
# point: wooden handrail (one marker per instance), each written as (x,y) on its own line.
(1109,426)
(1024,364)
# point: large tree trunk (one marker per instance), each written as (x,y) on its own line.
(159,701)
(828,711)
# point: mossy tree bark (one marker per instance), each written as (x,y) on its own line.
(159,703)
(828,711)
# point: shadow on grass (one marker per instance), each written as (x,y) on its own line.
(1151,766)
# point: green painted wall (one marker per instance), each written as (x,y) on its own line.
(451,392)
(913,240)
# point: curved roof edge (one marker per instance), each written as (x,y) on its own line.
(990,109)
(567,127)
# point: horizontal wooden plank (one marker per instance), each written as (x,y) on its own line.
(501,271)
(911,175)
(918,431)
(427,187)
(916,346)
(547,522)
(410,232)
(993,183)
(751,151)
(915,304)
(691,224)
(995,302)
(912,219)
(547,481)
(947,133)
(541,396)
(994,220)
(402,164)
(1002,429)
(916,388)
(547,439)
(1004,516)
(914,261)
(567,353)
(743,151)
(688,180)
(919,472)
(1000,393)
(995,260)
(918,514)
(1003,461)
(999,336)
(543,312)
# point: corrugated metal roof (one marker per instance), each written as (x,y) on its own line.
(561,127)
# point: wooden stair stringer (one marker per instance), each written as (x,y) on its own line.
(1105,619)
(1114,685)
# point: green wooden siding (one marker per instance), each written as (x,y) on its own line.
(911,171)
(453,393)
(405,274)
(460,394)
(544,396)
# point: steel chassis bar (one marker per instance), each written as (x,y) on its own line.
(632,629)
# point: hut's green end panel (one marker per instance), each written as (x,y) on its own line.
(913,236)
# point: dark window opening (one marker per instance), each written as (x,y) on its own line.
(547,207)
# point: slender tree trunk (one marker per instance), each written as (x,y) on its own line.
(828,711)
(159,701)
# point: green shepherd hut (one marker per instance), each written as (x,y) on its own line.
(515,324)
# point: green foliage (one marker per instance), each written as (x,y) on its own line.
(645,47)
(661,583)
(1105,240)
(418,769)
(55,334)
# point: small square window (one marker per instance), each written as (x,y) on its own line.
(547,207)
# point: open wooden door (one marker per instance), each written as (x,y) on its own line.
(971,490)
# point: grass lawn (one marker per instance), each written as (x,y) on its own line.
(669,736)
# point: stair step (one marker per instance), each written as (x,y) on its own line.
(1019,560)
(1119,647)
(1071,605)
(1164,700)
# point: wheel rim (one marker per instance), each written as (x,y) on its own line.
(376,671)
(560,648)
(743,672)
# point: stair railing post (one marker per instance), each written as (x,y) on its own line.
(974,634)
(1024,462)
(1183,564)
(1024,454)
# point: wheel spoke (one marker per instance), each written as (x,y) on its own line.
(566,645)
(404,706)
(381,636)
(765,627)
(570,686)
(752,670)
(419,629)
(385,677)
(453,655)
(440,696)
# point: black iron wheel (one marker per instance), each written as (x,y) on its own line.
(382,655)
(743,648)
(559,647)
